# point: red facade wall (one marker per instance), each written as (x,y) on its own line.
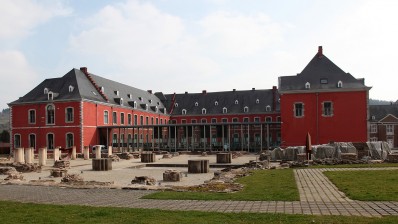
(60,128)
(348,123)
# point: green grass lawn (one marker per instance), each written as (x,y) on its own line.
(262,185)
(374,165)
(14,212)
(367,185)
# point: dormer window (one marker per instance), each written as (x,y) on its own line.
(150,101)
(117,93)
(268,108)
(257,101)
(196,104)
(135,104)
(71,88)
(184,112)
(236,101)
(121,101)
(146,106)
(203,110)
(216,103)
(340,84)
(307,85)
(165,111)
(102,89)
(373,118)
(50,95)
(141,99)
(158,103)
(176,105)
(156,109)
(130,96)
(224,110)
(246,109)
(45,90)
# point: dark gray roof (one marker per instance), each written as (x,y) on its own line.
(320,68)
(226,99)
(381,111)
(84,89)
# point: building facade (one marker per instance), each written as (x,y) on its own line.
(384,124)
(82,109)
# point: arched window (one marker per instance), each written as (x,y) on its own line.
(32,140)
(50,112)
(71,88)
(50,141)
(176,104)
(69,140)
(257,101)
(196,104)
(135,104)
(50,95)
(236,101)
(45,90)
(268,108)
(340,84)
(224,110)
(216,103)
(246,109)
(184,111)
(307,85)
(203,110)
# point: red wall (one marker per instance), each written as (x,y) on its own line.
(348,123)
(60,128)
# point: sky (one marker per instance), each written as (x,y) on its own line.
(190,45)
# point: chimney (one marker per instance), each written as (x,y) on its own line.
(204,92)
(253,89)
(149,91)
(320,52)
(274,89)
(84,69)
(233,90)
(186,92)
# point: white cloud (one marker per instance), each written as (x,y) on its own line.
(19,17)
(16,75)
(141,42)
(240,35)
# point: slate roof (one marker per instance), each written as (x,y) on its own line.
(225,99)
(381,111)
(83,89)
(320,68)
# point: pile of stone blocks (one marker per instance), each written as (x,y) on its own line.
(172,175)
(59,172)
(61,164)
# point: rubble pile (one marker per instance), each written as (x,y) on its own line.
(236,155)
(21,167)
(58,172)
(71,178)
(128,156)
(114,158)
(175,154)
(7,169)
(61,164)
(12,173)
(167,156)
(145,180)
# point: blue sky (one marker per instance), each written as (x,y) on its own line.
(186,45)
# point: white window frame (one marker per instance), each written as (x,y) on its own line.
(257,101)
(122,120)
(121,101)
(45,90)
(340,84)
(129,119)
(66,140)
(204,110)
(106,117)
(224,110)
(184,112)
(327,113)
(302,110)
(268,108)
(246,109)
(390,129)
(135,104)
(48,123)
(236,102)
(235,119)
(307,85)
(66,115)
(50,95)
(373,128)
(71,88)
(15,141)
(268,119)
(114,117)
(196,104)
(216,103)
(29,117)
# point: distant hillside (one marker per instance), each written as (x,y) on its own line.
(380,102)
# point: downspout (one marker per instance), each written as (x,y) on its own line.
(317,119)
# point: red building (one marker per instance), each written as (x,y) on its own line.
(82,109)
(325,101)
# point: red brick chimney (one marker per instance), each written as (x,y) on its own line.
(320,52)
(149,91)
(274,89)
(204,92)
(84,70)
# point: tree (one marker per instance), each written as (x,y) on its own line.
(5,136)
